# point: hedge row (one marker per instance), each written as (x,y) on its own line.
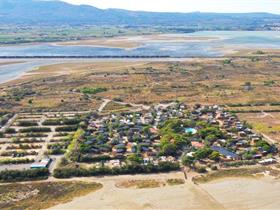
(15,161)
(91,159)
(254,104)
(27,123)
(66,128)
(127,169)
(72,121)
(35,130)
(25,175)
(253,111)
(5,119)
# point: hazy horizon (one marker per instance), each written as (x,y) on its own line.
(217,6)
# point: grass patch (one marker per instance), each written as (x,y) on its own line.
(172,182)
(115,107)
(240,172)
(141,184)
(89,90)
(42,195)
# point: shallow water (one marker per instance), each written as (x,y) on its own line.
(13,71)
(213,47)
(187,48)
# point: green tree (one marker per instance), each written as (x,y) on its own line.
(203,153)
(169,149)
(188,160)
(215,156)
(134,158)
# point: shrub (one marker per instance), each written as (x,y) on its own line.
(15,161)
(66,128)
(92,91)
(275,104)
(227,61)
(73,121)
(61,134)
(35,135)
(25,175)
(56,151)
(10,130)
(27,123)
(91,159)
(214,168)
(4,119)
(240,163)
(201,169)
(35,130)
(126,169)
(52,122)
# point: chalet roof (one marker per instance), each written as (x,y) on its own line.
(196,144)
(224,152)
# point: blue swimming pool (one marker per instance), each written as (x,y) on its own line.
(190,130)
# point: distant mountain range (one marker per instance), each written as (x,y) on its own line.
(39,12)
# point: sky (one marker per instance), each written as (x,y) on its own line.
(272,6)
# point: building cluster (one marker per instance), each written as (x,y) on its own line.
(118,136)
(121,135)
(240,142)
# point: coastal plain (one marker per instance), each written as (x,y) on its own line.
(247,85)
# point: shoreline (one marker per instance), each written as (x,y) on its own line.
(17,67)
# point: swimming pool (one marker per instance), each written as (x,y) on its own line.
(190,131)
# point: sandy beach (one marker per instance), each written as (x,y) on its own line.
(134,41)
(185,196)
(243,193)
(227,193)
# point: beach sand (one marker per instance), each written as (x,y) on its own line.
(130,42)
(226,193)
(185,196)
(244,193)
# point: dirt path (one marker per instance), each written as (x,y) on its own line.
(106,101)
(3,148)
(47,140)
(140,106)
(268,139)
(9,123)
(103,105)
(265,114)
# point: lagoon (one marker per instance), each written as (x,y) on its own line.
(198,44)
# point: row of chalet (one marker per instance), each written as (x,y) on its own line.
(119,135)
(240,138)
